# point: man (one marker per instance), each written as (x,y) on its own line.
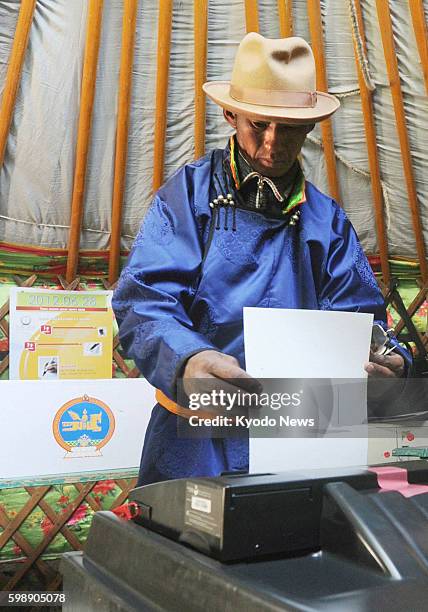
(239,227)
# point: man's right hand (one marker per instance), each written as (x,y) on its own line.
(216,366)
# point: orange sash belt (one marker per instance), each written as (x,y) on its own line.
(175,408)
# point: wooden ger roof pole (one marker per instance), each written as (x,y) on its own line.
(385,23)
(421,34)
(93,34)
(316,30)
(251,16)
(164,45)
(13,75)
(370,130)
(124,101)
(285,10)
(200,8)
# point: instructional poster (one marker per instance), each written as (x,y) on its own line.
(58,335)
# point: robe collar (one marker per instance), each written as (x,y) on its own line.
(275,197)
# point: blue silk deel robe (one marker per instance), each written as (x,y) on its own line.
(187,280)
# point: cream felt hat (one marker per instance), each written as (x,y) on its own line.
(274,80)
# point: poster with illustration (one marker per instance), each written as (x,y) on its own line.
(58,335)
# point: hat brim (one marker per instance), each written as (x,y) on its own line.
(326,105)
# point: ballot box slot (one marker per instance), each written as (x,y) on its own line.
(315,482)
(231,475)
(236,495)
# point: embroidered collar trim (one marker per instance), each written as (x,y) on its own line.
(297,195)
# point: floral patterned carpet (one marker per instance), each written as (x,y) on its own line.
(37,525)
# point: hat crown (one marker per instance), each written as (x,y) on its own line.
(282,64)
(273,80)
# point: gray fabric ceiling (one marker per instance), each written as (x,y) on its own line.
(37,175)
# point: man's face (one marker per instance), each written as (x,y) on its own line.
(270,148)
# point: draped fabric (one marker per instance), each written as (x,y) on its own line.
(36,179)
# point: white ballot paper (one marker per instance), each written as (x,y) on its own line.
(304,345)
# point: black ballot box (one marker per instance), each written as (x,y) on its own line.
(346,543)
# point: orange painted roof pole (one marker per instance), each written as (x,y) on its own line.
(387,35)
(316,30)
(164,47)
(14,70)
(124,103)
(370,130)
(200,8)
(285,10)
(251,16)
(421,34)
(93,35)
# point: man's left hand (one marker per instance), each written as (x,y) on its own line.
(385,366)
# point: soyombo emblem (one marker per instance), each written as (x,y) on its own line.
(82,426)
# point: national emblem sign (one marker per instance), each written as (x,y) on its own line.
(82,426)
